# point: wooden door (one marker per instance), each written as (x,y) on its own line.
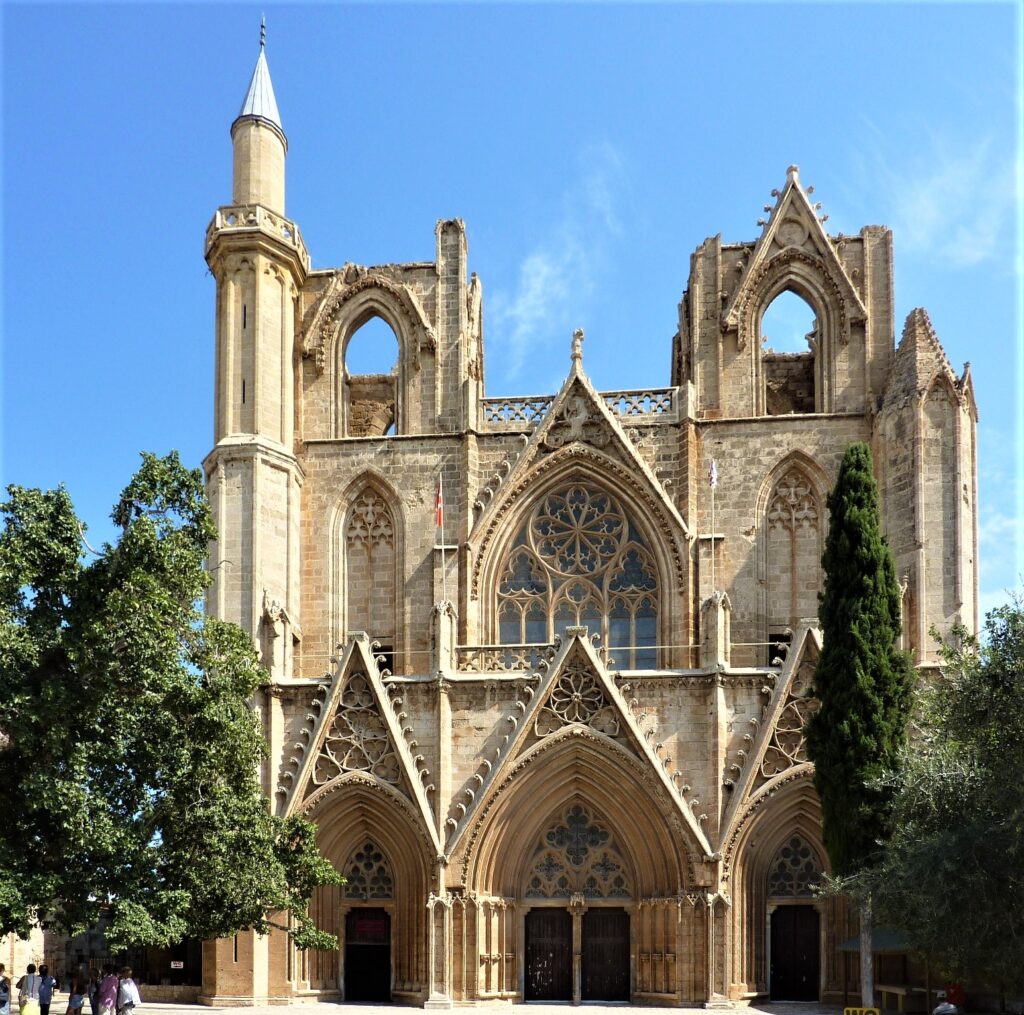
(368,955)
(796,956)
(548,955)
(605,955)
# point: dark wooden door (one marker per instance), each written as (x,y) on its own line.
(548,955)
(796,957)
(605,955)
(368,955)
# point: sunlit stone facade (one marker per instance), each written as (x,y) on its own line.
(558,753)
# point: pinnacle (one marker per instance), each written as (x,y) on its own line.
(259,100)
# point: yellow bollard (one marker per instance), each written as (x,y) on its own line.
(861,1011)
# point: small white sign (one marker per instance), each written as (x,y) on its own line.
(177,965)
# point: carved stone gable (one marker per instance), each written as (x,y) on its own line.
(577,697)
(357,739)
(788,745)
(577,421)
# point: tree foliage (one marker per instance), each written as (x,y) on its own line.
(129,777)
(862,680)
(952,875)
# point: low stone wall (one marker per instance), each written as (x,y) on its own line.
(165,992)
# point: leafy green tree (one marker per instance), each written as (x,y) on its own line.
(863,682)
(129,774)
(952,875)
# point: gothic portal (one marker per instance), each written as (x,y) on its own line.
(562,756)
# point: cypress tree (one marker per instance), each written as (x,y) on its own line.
(862,680)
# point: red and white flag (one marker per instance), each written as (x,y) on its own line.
(713,475)
(439,506)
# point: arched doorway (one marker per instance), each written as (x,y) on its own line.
(368,954)
(795,953)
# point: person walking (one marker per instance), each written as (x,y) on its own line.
(47,985)
(93,990)
(108,990)
(5,991)
(127,993)
(28,991)
(77,990)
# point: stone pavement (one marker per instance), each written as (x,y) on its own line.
(325,1008)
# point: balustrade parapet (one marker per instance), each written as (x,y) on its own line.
(254,217)
(523,658)
(637,405)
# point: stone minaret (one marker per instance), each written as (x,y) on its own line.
(259,262)
(254,481)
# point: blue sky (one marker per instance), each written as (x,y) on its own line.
(589,148)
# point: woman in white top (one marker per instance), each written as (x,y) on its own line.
(28,991)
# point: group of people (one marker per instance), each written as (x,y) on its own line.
(108,994)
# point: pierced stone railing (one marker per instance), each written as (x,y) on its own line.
(500,658)
(642,402)
(255,216)
(527,411)
(516,412)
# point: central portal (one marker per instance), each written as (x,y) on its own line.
(605,955)
(548,955)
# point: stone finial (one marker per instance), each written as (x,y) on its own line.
(793,173)
(577,346)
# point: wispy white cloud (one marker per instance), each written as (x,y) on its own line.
(952,203)
(562,269)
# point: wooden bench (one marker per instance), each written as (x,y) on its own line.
(899,991)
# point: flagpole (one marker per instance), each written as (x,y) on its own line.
(713,482)
(440,519)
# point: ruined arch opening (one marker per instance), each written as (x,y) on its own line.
(789,332)
(370,367)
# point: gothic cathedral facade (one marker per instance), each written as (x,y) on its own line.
(557,750)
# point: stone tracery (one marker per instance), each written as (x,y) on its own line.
(577,855)
(579,559)
(577,697)
(357,739)
(795,872)
(368,874)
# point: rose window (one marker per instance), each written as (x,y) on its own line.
(578,559)
(577,698)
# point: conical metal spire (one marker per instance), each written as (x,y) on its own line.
(259,100)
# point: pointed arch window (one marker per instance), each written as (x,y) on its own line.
(578,558)
(577,854)
(368,874)
(795,872)
(793,523)
(789,336)
(370,564)
(370,379)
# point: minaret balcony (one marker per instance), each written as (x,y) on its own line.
(254,218)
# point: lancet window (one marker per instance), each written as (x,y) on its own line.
(370,571)
(793,543)
(795,871)
(578,558)
(577,855)
(368,874)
